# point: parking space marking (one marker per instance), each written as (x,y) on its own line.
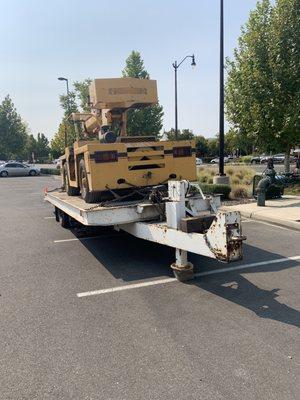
(71,240)
(199,274)
(49,217)
(88,238)
(127,287)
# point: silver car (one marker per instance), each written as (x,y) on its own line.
(17,169)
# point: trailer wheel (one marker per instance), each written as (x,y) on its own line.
(71,191)
(65,220)
(86,194)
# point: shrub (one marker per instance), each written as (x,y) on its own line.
(248,179)
(245,159)
(239,193)
(239,175)
(50,171)
(223,190)
(235,180)
(203,178)
(230,171)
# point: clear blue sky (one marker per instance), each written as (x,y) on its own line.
(76,39)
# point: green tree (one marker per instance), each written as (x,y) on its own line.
(36,148)
(147,121)
(77,101)
(30,148)
(42,145)
(81,90)
(263,85)
(184,134)
(68,103)
(201,146)
(213,146)
(134,67)
(57,144)
(13,133)
(236,141)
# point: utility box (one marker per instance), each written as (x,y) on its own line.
(122,93)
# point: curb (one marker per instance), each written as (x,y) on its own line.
(276,221)
(258,217)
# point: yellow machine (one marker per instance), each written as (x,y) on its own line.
(104,163)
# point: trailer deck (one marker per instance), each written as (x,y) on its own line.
(102,215)
(188,223)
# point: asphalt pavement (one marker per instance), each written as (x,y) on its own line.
(226,335)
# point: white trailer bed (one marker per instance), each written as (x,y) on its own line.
(163,223)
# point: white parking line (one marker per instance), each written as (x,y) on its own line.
(49,217)
(169,280)
(107,236)
(75,239)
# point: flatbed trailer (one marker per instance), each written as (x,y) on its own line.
(185,222)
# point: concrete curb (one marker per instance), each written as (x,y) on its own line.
(258,217)
(276,221)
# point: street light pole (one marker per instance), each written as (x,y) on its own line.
(221,178)
(221,117)
(176,111)
(176,66)
(68,105)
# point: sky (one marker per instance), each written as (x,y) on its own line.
(44,40)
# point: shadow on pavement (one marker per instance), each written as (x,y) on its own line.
(131,259)
(262,302)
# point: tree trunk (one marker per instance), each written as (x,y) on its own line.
(287,159)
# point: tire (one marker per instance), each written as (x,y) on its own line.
(86,194)
(32,172)
(71,191)
(65,220)
(4,174)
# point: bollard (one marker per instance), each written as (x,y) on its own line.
(261,198)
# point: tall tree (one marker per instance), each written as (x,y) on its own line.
(147,121)
(65,135)
(75,102)
(30,148)
(81,90)
(184,134)
(263,85)
(42,145)
(201,146)
(12,130)
(213,146)
(235,142)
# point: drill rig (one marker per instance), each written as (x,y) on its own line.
(103,163)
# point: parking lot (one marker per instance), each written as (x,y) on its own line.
(232,333)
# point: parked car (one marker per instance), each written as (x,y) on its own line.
(57,163)
(278,159)
(256,159)
(216,160)
(199,161)
(17,169)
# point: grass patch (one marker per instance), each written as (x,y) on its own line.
(293,190)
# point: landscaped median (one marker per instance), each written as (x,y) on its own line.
(241,178)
